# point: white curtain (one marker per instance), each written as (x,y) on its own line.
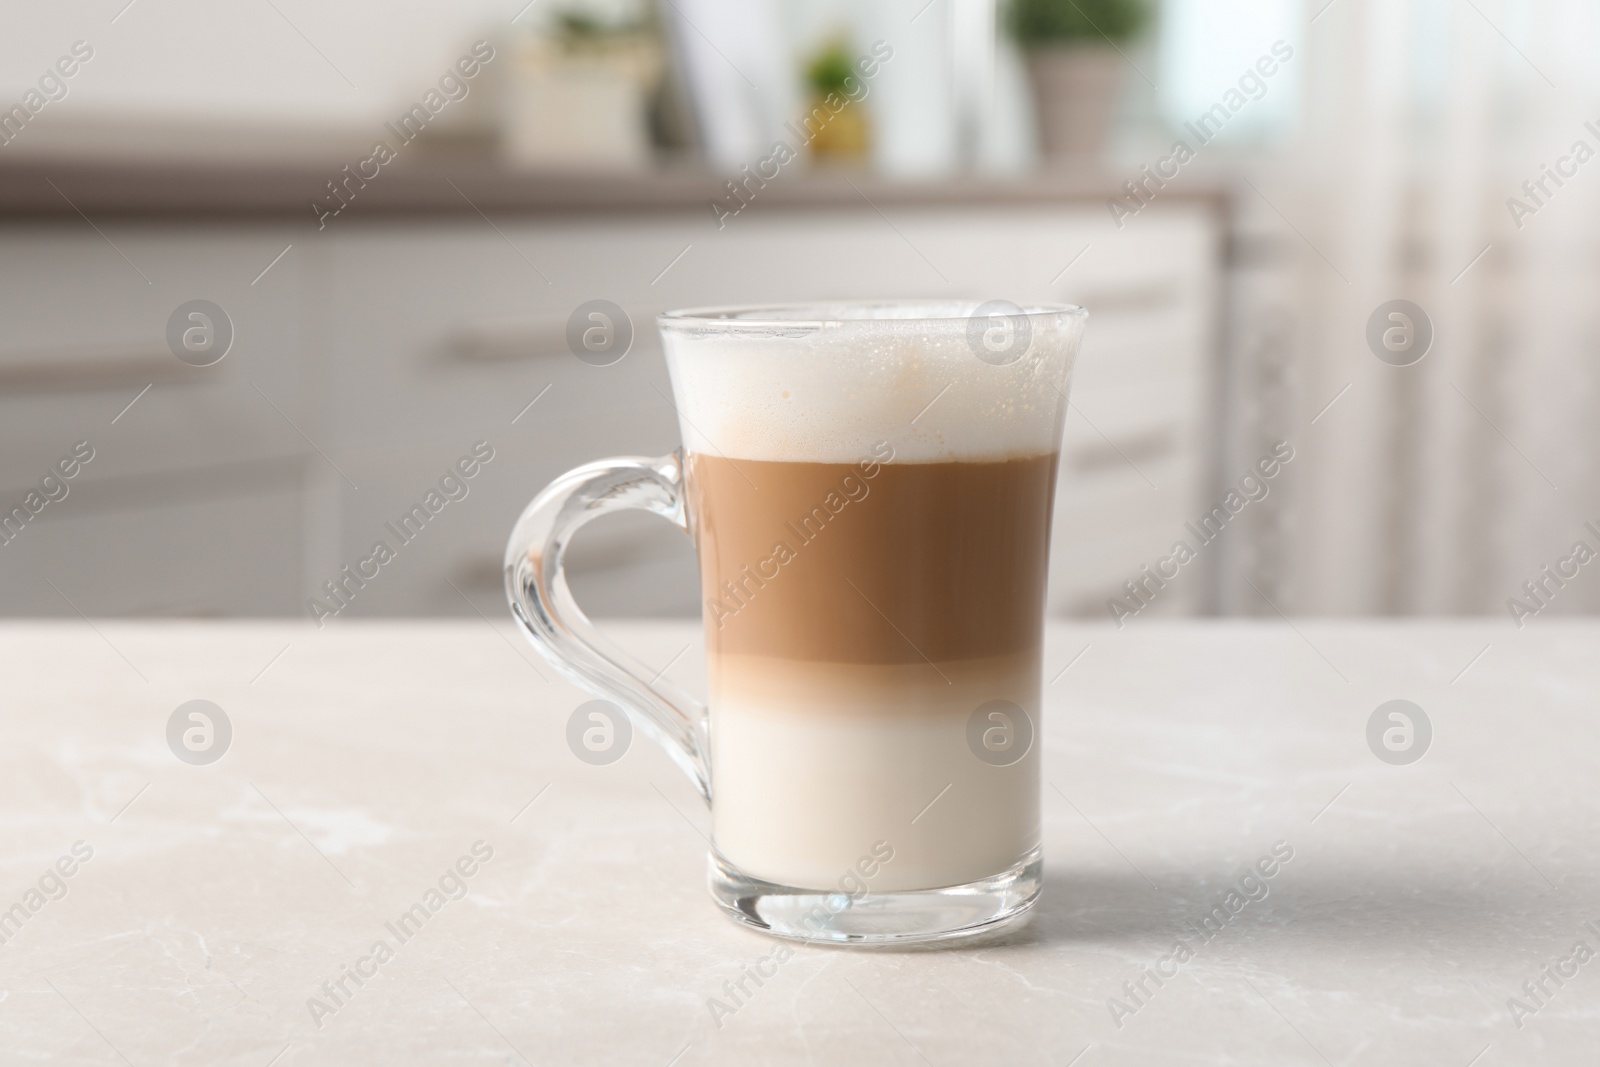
(1439,487)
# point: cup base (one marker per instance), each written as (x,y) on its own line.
(950,913)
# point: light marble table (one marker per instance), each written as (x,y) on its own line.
(368,758)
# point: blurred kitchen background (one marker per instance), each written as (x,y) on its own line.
(390,308)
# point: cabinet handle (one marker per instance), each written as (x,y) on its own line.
(496,342)
(1132,299)
(69,369)
(1149,447)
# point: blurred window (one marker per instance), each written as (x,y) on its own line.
(1207,46)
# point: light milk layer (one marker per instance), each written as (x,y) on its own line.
(815,763)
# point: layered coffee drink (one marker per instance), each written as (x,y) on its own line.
(873,528)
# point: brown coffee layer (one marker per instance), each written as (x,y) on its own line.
(872,562)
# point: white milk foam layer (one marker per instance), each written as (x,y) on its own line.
(827,391)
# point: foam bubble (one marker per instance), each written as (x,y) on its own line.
(825,384)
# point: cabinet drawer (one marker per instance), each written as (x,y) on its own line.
(217,553)
(85,334)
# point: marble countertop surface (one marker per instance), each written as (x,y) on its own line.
(163,912)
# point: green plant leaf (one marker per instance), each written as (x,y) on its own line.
(1043,22)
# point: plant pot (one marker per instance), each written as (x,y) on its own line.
(580,108)
(1075,91)
(842,137)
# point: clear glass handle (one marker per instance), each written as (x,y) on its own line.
(541,601)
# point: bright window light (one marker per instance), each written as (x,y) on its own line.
(1217,52)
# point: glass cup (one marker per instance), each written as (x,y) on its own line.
(869,490)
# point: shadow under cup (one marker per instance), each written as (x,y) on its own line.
(869,489)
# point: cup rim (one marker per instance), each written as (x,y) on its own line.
(817,315)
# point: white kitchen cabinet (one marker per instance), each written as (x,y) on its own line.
(376,353)
(202,452)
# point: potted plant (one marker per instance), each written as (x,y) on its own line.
(834,119)
(580,91)
(1075,66)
